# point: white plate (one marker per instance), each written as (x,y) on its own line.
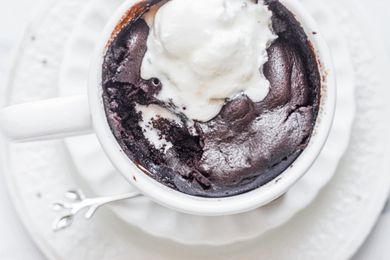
(332,227)
(98,174)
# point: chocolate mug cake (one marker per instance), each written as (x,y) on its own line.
(212,98)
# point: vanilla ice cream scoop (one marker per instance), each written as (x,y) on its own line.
(207,51)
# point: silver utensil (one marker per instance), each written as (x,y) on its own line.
(76,202)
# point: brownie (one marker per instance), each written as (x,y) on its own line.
(246,145)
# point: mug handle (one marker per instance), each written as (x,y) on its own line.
(47,119)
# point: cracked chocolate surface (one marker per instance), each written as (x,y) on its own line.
(247,145)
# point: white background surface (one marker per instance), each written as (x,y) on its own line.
(14,241)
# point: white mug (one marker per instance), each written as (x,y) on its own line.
(70,116)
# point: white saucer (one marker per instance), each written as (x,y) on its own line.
(99,175)
(332,227)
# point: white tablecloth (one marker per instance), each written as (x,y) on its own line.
(15,243)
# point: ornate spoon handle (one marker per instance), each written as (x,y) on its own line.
(77,202)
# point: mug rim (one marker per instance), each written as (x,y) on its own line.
(250,200)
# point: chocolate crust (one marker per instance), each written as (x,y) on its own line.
(247,145)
